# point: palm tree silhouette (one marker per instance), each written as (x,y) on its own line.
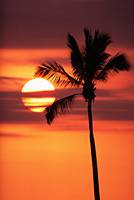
(90,65)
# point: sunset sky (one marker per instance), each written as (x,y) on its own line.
(53,162)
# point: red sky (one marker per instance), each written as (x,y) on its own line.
(47,162)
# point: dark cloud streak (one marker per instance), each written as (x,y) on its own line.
(13,110)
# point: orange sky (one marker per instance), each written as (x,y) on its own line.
(42,162)
(22,63)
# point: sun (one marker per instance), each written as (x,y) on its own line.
(37,84)
(37,104)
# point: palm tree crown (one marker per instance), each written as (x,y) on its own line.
(89,65)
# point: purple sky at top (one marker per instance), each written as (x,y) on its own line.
(44,24)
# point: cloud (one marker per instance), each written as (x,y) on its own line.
(13,135)
(11,83)
(108,106)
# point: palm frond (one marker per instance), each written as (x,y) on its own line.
(94,52)
(57,74)
(88,39)
(58,107)
(101,41)
(76,57)
(94,64)
(115,64)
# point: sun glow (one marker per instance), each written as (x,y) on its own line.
(37,104)
(37,84)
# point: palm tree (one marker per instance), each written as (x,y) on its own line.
(90,65)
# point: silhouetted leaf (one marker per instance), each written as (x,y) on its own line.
(57,74)
(76,58)
(115,64)
(58,107)
(101,41)
(94,52)
(88,39)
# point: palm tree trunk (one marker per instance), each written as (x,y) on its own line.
(93,153)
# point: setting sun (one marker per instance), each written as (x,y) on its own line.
(37,84)
(37,104)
